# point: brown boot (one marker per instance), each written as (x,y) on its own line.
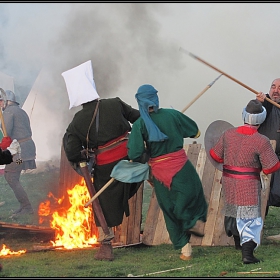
(197,229)
(105,252)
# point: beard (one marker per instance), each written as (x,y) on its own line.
(275,97)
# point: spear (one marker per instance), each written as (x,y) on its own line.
(240,83)
(205,89)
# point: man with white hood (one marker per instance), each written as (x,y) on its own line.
(101,128)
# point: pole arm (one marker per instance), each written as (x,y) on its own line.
(240,83)
(206,88)
(1,115)
(3,124)
(99,192)
(95,205)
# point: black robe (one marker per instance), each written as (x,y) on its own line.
(115,117)
(271,128)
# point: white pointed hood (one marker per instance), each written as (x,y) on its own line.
(80,84)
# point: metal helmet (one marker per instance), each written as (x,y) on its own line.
(10,96)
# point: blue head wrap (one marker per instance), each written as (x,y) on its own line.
(147,97)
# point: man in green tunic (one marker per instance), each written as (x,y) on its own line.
(177,185)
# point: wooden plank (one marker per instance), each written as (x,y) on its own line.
(207,183)
(212,210)
(160,227)
(201,163)
(151,220)
(219,235)
(134,219)
(193,152)
(26,227)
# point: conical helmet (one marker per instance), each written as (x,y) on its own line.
(10,96)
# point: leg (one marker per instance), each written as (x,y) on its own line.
(250,233)
(12,175)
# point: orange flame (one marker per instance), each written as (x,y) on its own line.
(5,251)
(73,227)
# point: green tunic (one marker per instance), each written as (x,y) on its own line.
(184,203)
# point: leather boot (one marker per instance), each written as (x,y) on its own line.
(197,229)
(105,252)
(237,242)
(247,252)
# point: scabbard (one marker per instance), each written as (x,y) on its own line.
(95,204)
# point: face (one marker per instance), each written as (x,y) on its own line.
(2,103)
(274,91)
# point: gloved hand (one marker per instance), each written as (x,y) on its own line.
(6,141)
(14,147)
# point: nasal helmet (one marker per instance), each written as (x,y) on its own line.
(10,96)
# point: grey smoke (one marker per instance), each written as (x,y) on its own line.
(130,44)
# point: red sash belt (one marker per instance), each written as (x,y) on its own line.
(112,151)
(241,172)
(165,167)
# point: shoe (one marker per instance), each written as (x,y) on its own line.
(197,229)
(186,252)
(247,252)
(185,258)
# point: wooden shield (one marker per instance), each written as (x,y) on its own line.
(212,135)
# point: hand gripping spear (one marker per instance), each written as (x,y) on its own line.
(213,67)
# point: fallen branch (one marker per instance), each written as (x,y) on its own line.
(157,272)
(259,272)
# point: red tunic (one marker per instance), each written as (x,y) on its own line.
(244,153)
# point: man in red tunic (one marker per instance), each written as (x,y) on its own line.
(244,153)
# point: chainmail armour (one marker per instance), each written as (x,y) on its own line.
(244,200)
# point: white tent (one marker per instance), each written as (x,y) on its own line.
(6,82)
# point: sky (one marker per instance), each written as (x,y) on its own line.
(131,44)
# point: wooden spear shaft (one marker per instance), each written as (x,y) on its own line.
(1,115)
(207,87)
(3,124)
(240,83)
(99,192)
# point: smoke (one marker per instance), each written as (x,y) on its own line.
(131,44)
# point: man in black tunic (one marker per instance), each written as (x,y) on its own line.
(271,128)
(106,133)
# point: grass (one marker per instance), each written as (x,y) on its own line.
(140,260)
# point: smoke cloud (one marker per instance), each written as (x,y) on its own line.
(131,44)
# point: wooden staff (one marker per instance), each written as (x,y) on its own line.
(3,124)
(259,272)
(1,115)
(95,205)
(99,192)
(213,67)
(200,94)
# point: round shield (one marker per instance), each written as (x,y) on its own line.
(212,135)
(75,165)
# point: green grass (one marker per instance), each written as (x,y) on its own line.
(136,260)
